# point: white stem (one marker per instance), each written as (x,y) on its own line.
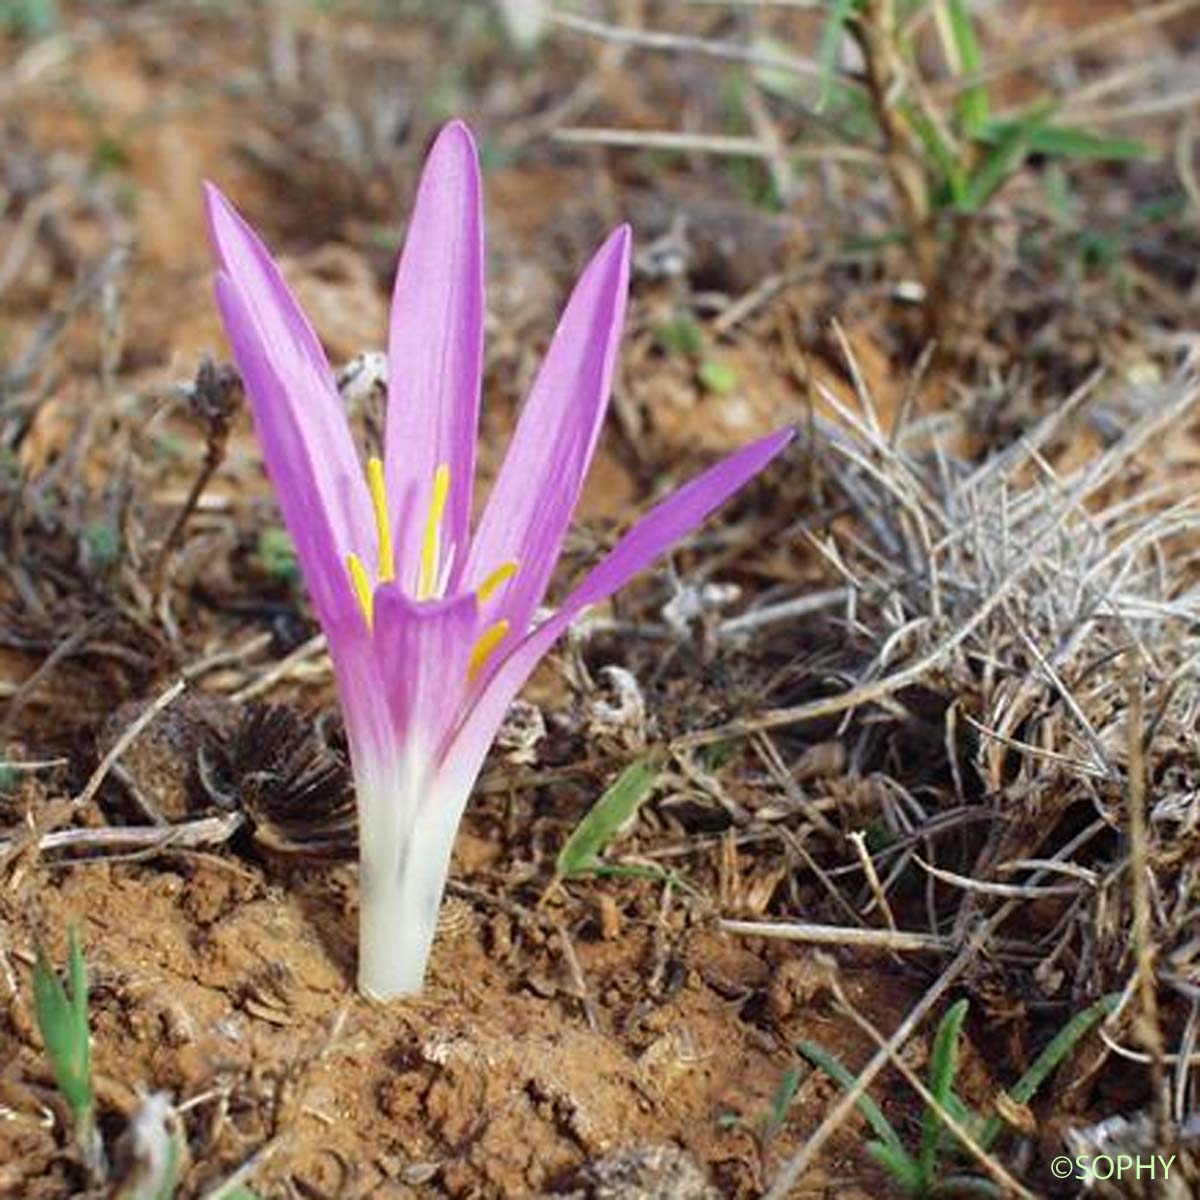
(404,858)
(397,921)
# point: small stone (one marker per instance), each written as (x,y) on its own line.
(650,1172)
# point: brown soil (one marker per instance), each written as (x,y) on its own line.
(513,1071)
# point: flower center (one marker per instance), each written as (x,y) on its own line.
(432,573)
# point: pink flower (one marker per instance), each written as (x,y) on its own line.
(430,624)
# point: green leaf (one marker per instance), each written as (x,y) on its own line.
(1054,1052)
(829,48)
(53,1009)
(1064,141)
(681,336)
(899,1165)
(837,1070)
(633,871)
(77,972)
(109,153)
(781,1101)
(63,1023)
(967,59)
(717,377)
(943,1065)
(965,1116)
(615,807)
(172,1170)
(1060,1046)
(1005,159)
(277,553)
(939,153)
(1061,141)
(29,18)
(101,544)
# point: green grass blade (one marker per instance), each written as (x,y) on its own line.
(837,1070)
(62,1021)
(973,105)
(781,1101)
(1054,1052)
(943,1065)
(617,806)
(964,1115)
(1004,159)
(1065,141)
(899,1165)
(939,154)
(956,1107)
(1061,141)
(55,1016)
(829,48)
(1060,1046)
(77,974)
(636,871)
(968,57)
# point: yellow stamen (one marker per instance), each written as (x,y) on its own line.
(500,576)
(431,547)
(488,641)
(361,583)
(383,523)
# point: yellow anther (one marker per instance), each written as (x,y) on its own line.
(361,583)
(500,576)
(431,547)
(383,521)
(487,643)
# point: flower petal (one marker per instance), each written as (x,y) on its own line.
(372,738)
(423,653)
(435,349)
(663,526)
(309,452)
(530,507)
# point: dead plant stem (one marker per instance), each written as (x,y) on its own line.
(878,35)
(1148,1025)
